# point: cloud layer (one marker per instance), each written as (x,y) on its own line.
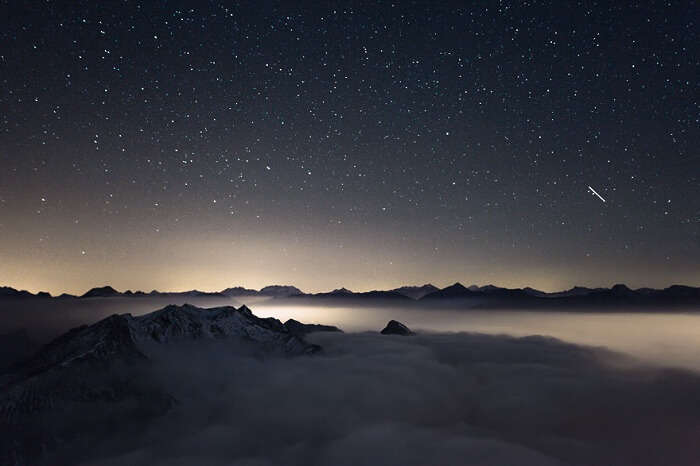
(430,399)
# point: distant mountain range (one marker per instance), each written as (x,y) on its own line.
(473,296)
(578,297)
(6,291)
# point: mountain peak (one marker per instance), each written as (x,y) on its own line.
(121,337)
(490,287)
(101,292)
(280,291)
(457,286)
(456,290)
(620,289)
(394,327)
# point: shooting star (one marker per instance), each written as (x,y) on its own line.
(599,196)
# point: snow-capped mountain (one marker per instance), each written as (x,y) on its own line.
(174,323)
(94,367)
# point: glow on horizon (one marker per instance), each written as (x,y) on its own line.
(367,261)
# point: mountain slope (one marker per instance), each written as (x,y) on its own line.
(451,292)
(15,346)
(416,292)
(94,369)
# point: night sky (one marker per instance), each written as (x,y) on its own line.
(180,145)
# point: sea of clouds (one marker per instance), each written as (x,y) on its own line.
(432,399)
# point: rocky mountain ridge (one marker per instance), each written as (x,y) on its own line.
(97,365)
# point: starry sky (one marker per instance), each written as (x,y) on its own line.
(179,145)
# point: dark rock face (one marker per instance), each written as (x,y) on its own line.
(15,346)
(395,327)
(83,375)
(297,328)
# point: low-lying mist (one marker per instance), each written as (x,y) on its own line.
(666,339)
(663,338)
(431,399)
(453,394)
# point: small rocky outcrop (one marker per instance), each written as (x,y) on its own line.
(394,327)
(297,328)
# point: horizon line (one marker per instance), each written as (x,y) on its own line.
(339,288)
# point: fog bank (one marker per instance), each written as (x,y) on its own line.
(430,399)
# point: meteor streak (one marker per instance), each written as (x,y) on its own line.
(599,196)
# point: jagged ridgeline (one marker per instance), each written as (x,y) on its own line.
(88,382)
